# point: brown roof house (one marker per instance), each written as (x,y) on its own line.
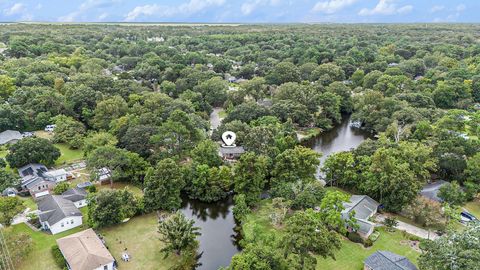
(85,251)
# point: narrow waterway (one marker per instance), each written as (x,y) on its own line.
(342,137)
(218,242)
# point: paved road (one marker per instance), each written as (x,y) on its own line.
(215,119)
(411,229)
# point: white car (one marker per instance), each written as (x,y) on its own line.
(49,128)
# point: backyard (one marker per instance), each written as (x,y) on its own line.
(349,257)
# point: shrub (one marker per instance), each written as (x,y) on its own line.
(58,257)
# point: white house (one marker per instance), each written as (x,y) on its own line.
(362,207)
(58,214)
(59,175)
(85,251)
(76,195)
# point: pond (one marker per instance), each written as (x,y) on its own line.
(342,137)
(218,242)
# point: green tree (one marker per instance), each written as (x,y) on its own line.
(107,110)
(283,72)
(214,91)
(97,139)
(250,176)
(32,150)
(339,169)
(472,172)
(455,250)
(163,185)
(109,207)
(390,223)
(19,246)
(7,86)
(206,152)
(452,194)
(241,209)
(306,236)
(7,179)
(296,165)
(61,187)
(9,208)
(69,131)
(258,257)
(331,208)
(177,233)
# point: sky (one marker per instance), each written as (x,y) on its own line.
(242,11)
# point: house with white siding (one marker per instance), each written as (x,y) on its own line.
(57,214)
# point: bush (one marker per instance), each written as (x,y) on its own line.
(58,257)
(355,237)
(368,243)
(92,189)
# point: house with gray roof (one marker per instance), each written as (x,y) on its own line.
(10,137)
(385,260)
(58,214)
(361,207)
(231,153)
(35,181)
(76,195)
(431,190)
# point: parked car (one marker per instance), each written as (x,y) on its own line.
(28,134)
(49,128)
(466,217)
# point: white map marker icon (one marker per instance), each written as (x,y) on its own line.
(228,138)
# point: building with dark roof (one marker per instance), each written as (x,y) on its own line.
(385,260)
(38,180)
(76,195)
(361,207)
(231,153)
(58,214)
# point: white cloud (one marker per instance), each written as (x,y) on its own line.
(102,16)
(437,8)
(250,6)
(188,8)
(85,7)
(385,7)
(332,6)
(15,9)
(461,8)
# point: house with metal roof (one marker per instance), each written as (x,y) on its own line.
(361,207)
(10,137)
(58,214)
(85,251)
(76,195)
(385,260)
(38,180)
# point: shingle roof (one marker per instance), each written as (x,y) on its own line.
(54,208)
(84,250)
(9,135)
(363,206)
(75,194)
(35,169)
(30,181)
(385,260)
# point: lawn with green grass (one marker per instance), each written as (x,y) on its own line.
(68,155)
(41,256)
(351,255)
(28,202)
(139,236)
(120,185)
(474,207)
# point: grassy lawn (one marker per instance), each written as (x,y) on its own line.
(119,185)
(349,257)
(352,255)
(68,155)
(139,236)
(474,207)
(28,202)
(43,243)
(222,114)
